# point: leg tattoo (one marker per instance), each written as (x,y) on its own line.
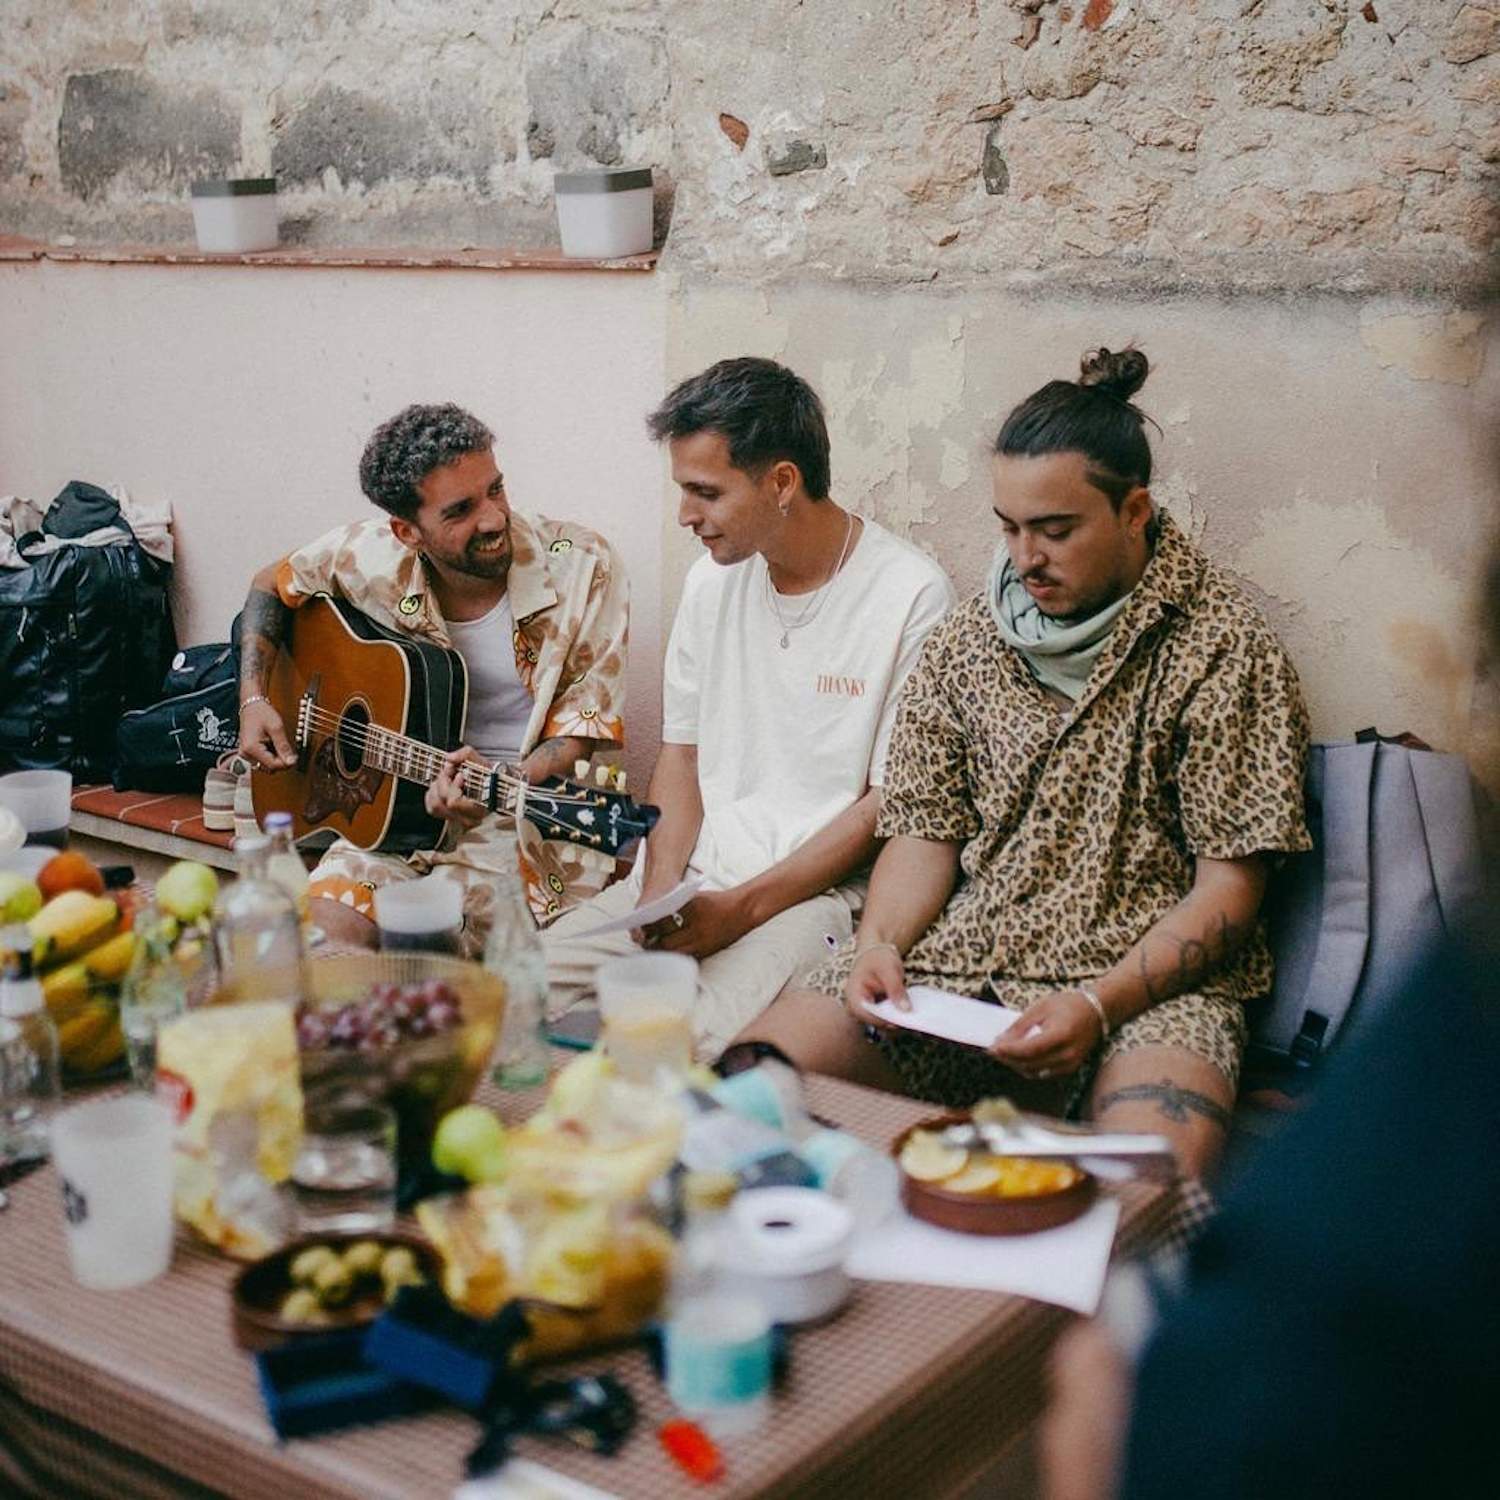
(1172,1101)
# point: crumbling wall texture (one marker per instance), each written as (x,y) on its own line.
(1212,143)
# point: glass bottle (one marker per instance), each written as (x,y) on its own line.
(154,992)
(257,937)
(514,953)
(30,1078)
(284,865)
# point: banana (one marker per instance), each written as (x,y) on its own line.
(70,924)
(102,1051)
(83,1031)
(110,961)
(65,987)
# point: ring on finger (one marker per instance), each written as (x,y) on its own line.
(678,920)
(1044,1072)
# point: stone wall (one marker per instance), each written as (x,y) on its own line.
(1223,143)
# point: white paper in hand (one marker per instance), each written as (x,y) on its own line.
(652,911)
(955,1018)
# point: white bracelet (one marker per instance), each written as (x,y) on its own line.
(253,698)
(1089,993)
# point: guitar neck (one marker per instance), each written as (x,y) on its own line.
(411,760)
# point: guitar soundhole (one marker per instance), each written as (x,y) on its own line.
(354,724)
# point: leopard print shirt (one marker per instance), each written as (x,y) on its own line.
(1080,826)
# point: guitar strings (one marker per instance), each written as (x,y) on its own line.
(368,735)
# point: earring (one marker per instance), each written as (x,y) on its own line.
(785,509)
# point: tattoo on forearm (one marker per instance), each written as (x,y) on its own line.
(1172,1102)
(262,630)
(1192,959)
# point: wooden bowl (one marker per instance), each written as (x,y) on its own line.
(258,1290)
(973,1213)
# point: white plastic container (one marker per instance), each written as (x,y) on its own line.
(236,214)
(604,213)
(786,1248)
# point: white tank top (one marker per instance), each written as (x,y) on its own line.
(499,705)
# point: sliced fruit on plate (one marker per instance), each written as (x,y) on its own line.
(926,1157)
(978,1177)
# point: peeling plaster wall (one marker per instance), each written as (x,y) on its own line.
(1338,457)
(1224,143)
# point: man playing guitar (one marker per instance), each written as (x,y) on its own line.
(538,610)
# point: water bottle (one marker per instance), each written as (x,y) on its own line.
(30,1080)
(257,935)
(864,1179)
(154,992)
(284,865)
(704,1199)
(514,954)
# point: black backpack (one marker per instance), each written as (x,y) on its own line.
(85,634)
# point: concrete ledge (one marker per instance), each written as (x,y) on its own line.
(16,248)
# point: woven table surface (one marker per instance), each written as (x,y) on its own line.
(910,1391)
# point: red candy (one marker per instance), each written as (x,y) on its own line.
(691,1449)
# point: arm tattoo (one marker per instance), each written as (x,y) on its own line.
(1195,958)
(1172,1102)
(262,630)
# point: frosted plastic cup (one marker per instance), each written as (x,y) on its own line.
(646,1004)
(114,1163)
(426,916)
(43,801)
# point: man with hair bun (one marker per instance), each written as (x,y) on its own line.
(537,608)
(795,631)
(1096,762)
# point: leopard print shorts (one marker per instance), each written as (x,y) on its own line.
(1209,1026)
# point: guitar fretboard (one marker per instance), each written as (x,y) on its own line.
(411,760)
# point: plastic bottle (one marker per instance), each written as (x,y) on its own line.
(704,1198)
(514,953)
(716,1138)
(257,935)
(30,1080)
(154,992)
(284,865)
(864,1179)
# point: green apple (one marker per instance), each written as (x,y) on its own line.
(187,890)
(470,1143)
(20,898)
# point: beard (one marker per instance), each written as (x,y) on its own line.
(473,563)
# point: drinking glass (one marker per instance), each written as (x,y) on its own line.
(114,1162)
(646,1003)
(425,915)
(345,1175)
(43,801)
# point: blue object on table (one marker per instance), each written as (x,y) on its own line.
(422,1339)
(320,1383)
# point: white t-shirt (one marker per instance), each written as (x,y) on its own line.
(789,739)
(499,704)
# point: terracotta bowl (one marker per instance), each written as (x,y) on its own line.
(259,1289)
(972,1213)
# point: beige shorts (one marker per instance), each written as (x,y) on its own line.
(734,985)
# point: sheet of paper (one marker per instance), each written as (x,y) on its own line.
(1065,1266)
(652,911)
(521,1479)
(955,1018)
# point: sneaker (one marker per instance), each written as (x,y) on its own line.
(245,825)
(219,787)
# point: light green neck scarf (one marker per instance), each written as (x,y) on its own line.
(1061,654)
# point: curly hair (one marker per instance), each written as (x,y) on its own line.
(764,412)
(405,450)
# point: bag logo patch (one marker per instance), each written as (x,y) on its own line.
(213,732)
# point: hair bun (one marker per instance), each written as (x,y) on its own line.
(1120,375)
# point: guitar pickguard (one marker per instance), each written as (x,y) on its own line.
(330,791)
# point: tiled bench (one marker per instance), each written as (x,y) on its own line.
(163,826)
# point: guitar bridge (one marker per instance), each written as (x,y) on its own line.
(305,706)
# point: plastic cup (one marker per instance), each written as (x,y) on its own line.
(425,915)
(718,1358)
(114,1162)
(43,801)
(646,1003)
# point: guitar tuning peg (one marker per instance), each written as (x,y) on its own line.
(601,775)
(620,779)
(580,770)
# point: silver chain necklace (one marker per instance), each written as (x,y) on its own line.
(809,611)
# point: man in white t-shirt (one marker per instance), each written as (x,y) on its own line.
(791,642)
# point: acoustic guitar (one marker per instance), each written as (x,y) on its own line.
(369,712)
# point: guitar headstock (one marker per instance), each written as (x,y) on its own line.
(590,816)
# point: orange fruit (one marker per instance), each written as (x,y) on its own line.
(69,871)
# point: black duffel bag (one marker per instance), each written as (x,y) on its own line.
(167,746)
(85,634)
